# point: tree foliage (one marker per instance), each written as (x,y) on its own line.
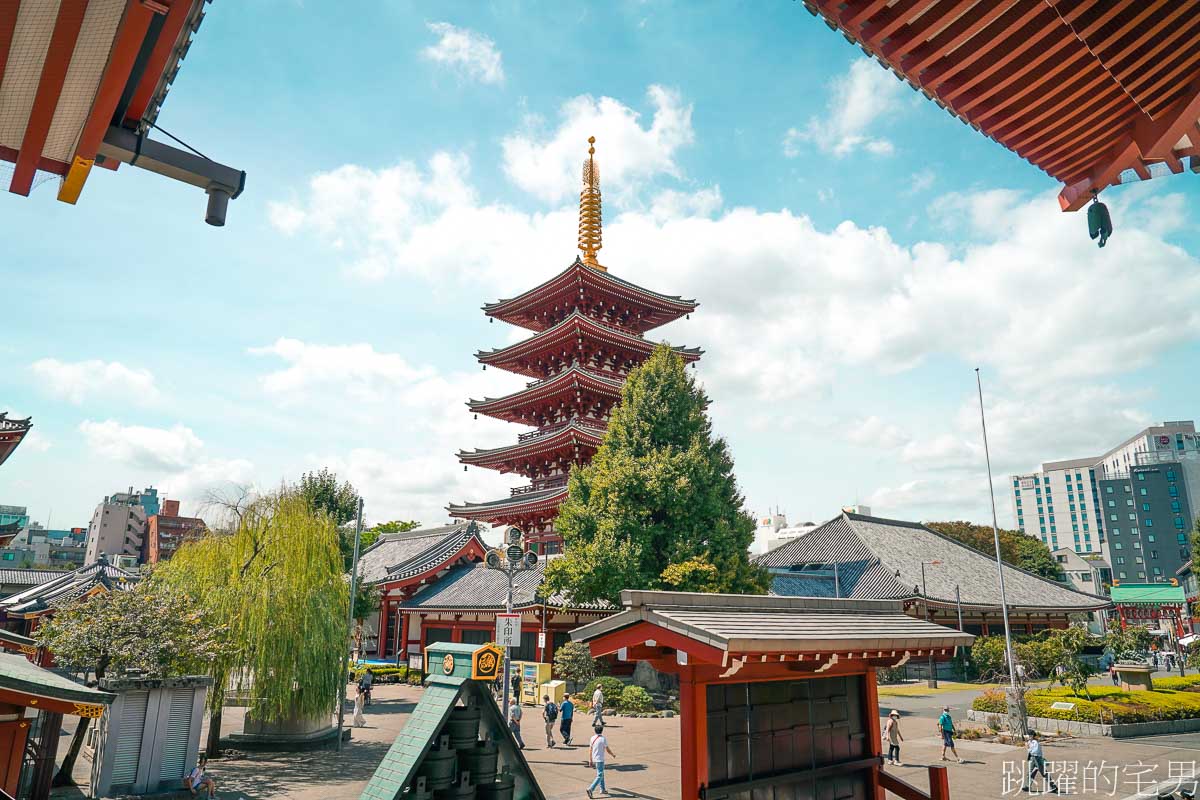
(658,506)
(1016,549)
(372,534)
(1127,643)
(574,664)
(339,502)
(277,582)
(150,628)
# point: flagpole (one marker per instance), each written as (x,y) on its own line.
(1008,648)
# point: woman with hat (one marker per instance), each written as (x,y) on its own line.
(894,737)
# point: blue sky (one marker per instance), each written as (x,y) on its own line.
(855,250)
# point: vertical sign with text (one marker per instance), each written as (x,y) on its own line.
(508,630)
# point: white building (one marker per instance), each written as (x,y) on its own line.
(118,528)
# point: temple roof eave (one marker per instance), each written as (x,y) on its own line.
(573,377)
(571,434)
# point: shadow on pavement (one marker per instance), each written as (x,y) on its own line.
(263,775)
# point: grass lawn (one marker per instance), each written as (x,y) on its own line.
(922,689)
(1172,698)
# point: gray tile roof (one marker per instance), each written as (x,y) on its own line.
(398,551)
(748,623)
(67,587)
(476,586)
(513,500)
(871,551)
(29,577)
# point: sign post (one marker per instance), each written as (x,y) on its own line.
(508,630)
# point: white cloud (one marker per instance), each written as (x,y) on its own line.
(472,54)
(921,180)
(858,101)
(79,381)
(874,432)
(361,371)
(548,163)
(172,449)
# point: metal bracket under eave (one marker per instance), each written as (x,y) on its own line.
(220,182)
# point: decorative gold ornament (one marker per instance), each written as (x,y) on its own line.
(448,664)
(89,711)
(29,649)
(589,210)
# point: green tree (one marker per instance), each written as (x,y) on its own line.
(659,493)
(372,534)
(1016,549)
(277,582)
(574,664)
(338,501)
(148,627)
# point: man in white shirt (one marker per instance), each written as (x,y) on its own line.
(1037,764)
(514,721)
(598,706)
(598,749)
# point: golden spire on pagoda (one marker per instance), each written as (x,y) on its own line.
(589,209)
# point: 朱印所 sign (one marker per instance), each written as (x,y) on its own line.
(508,630)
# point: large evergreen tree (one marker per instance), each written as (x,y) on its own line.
(658,506)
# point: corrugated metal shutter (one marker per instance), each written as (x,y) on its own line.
(129,739)
(178,734)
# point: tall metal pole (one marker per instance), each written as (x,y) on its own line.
(932,681)
(1008,648)
(349,627)
(958,605)
(507,648)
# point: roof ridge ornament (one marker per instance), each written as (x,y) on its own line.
(589,210)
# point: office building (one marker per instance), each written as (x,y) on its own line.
(118,528)
(1132,505)
(166,531)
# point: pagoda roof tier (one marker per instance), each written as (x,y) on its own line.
(575,387)
(525,507)
(12,431)
(577,339)
(579,287)
(559,445)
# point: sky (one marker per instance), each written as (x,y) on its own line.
(856,252)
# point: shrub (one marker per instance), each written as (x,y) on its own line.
(574,664)
(382,674)
(612,688)
(635,700)
(1173,698)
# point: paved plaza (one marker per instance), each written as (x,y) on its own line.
(647,763)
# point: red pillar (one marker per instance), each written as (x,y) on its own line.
(401,639)
(693,734)
(939,783)
(381,647)
(874,736)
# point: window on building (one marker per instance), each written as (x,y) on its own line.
(1016,483)
(1153,554)
(1116,546)
(1085,527)
(1141,574)
(1138,560)
(1122,575)
(1179,441)
(1141,476)
(1043,531)
(1053,529)
(1112,503)
(1181,538)
(1072,507)
(1173,491)
(1126,488)
(1179,523)
(1108,490)
(1132,517)
(1128,503)
(1142,491)
(1170,474)
(1112,517)
(1075,528)
(1148,522)
(1137,545)
(1175,506)
(1119,559)
(1150,537)
(1018,506)
(1051,519)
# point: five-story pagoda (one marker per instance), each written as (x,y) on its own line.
(588,331)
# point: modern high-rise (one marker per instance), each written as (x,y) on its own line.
(118,527)
(1134,504)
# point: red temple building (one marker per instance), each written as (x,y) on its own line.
(12,431)
(589,330)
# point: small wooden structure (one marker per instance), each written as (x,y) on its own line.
(776,692)
(32,704)
(456,743)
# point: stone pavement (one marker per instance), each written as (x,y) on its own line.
(647,763)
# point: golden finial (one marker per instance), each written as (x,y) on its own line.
(589,209)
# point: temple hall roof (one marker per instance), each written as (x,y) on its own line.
(67,588)
(12,431)
(543,499)
(574,378)
(475,586)
(577,432)
(881,559)
(395,556)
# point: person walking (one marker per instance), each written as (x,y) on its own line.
(360,699)
(1037,764)
(364,685)
(598,706)
(599,748)
(516,686)
(945,725)
(567,713)
(514,720)
(892,733)
(1112,672)
(549,716)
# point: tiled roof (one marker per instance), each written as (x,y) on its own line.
(476,586)
(881,558)
(29,577)
(18,674)
(394,550)
(513,501)
(749,623)
(68,587)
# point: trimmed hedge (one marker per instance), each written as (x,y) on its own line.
(612,688)
(635,700)
(1171,699)
(382,674)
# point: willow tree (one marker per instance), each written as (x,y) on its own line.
(276,581)
(658,506)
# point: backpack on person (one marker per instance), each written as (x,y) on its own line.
(551,712)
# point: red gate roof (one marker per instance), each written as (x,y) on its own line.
(1093,92)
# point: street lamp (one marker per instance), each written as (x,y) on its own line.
(513,559)
(925,599)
